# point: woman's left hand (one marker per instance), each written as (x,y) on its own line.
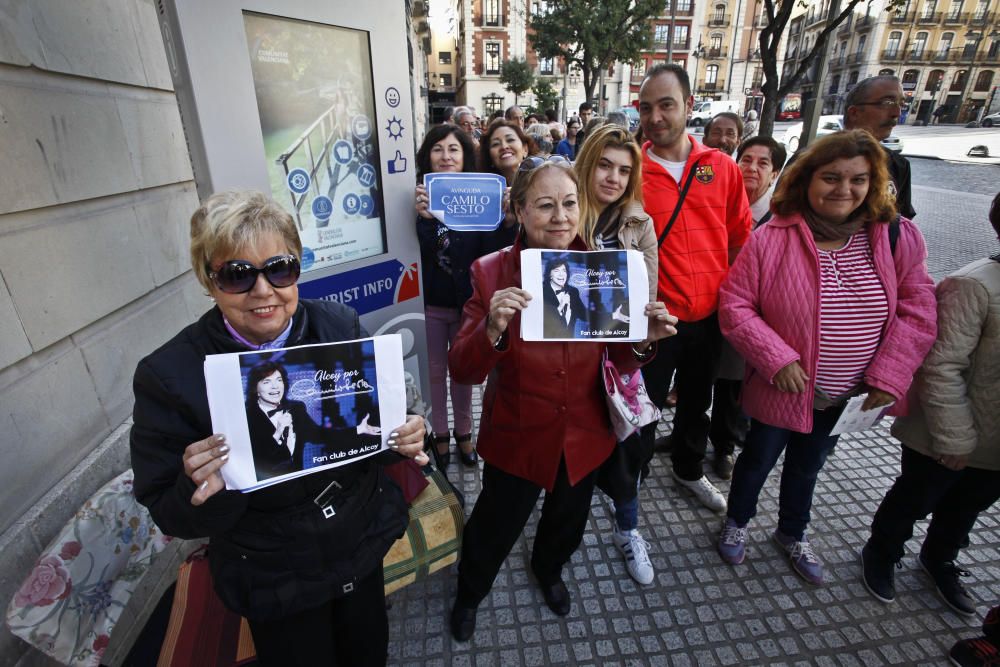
(364,428)
(877,399)
(619,316)
(408,439)
(661,323)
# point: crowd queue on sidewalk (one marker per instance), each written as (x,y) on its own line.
(772,302)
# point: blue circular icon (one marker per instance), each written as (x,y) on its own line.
(366,175)
(308,258)
(322,207)
(343,151)
(361,127)
(352,203)
(298,181)
(392,97)
(367,205)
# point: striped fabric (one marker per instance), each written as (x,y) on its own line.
(853,312)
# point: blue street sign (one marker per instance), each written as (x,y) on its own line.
(466,202)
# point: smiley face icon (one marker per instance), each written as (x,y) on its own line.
(392,97)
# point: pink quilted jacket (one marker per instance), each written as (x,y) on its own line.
(769,311)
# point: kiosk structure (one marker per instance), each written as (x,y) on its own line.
(310,102)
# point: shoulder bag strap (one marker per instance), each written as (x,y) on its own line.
(680,202)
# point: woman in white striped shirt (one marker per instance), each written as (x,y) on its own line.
(829,300)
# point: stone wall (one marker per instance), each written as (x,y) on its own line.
(95,193)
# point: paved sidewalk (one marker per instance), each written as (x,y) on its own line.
(700,611)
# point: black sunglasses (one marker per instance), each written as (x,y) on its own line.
(238,275)
(534,162)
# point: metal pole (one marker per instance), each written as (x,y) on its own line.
(670,36)
(733,50)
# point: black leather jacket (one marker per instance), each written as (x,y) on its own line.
(272,552)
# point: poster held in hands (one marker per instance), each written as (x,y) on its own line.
(294,411)
(584,296)
(856,418)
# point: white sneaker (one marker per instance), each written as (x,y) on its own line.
(635,550)
(703,490)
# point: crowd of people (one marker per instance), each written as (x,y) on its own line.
(778,290)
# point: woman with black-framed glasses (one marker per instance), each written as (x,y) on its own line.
(310,584)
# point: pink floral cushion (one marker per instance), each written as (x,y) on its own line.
(69,604)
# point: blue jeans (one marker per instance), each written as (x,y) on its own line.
(805,454)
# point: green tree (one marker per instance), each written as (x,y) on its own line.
(776,15)
(516,76)
(546,96)
(594,35)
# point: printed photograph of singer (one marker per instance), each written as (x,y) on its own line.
(585,295)
(306,408)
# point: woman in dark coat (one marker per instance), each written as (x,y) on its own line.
(301,560)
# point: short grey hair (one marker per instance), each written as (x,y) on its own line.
(862,89)
(618,118)
(229,222)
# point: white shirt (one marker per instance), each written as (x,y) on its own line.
(675,169)
(279,416)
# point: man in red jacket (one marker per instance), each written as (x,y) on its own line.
(699,238)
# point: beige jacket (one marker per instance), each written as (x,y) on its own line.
(957,410)
(636,233)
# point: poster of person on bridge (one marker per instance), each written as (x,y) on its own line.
(315,98)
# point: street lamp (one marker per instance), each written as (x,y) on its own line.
(698,53)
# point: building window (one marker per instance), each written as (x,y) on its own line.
(720,14)
(981,10)
(491,12)
(956,11)
(491,58)
(680,36)
(892,45)
(861,44)
(886,72)
(711,74)
(835,84)
(909,80)
(682,6)
(546,66)
(639,69)
(994,48)
(919,44)
(715,44)
(660,34)
(492,104)
(929,7)
(758,77)
(446,80)
(934,81)
(958,83)
(984,81)
(970,48)
(539,8)
(944,46)
(852,79)
(444,57)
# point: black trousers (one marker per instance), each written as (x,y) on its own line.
(499,517)
(729,425)
(352,631)
(924,486)
(694,355)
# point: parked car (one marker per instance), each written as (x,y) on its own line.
(702,112)
(829,125)
(991,120)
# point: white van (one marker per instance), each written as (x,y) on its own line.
(705,111)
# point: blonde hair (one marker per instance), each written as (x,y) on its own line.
(608,136)
(228,222)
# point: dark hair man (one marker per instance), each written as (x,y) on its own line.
(515,114)
(874,105)
(724,131)
(711,225)
(586,113)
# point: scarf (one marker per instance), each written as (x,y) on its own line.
(823,230)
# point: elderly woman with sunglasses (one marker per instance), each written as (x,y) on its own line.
(545,423)
(310,586)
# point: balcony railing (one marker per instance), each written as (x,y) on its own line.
(864,23)
(718,22)
(715,54)
(979,19)
(707,87)
(954,17)
(922,56)
(681,11)
(819,17)
(902,17)
(837,63)
(940,56)
(679,45)
(892,55)
(929,18)
(855,58)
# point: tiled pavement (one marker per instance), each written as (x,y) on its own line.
(700,611)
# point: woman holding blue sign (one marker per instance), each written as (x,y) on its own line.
(609,166)
(446,256)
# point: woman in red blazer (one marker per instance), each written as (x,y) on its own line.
(545,424)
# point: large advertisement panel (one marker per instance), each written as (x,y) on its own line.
(316,102)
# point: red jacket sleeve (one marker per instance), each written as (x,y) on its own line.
(472,355)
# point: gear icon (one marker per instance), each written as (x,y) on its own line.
(395,128)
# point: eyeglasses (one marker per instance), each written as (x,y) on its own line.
(238,275)
(885,104)
(534,162)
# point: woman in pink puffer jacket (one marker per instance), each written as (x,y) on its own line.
(827,301)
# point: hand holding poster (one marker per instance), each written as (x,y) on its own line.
(856,418)
(293,411)
(584,296)
(466,202)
